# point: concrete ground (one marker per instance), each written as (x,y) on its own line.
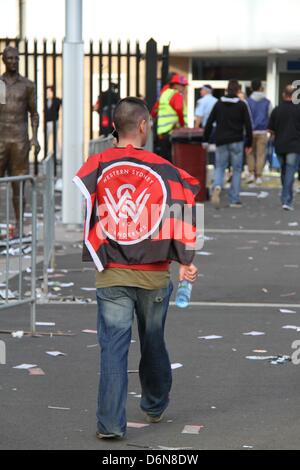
(249,275)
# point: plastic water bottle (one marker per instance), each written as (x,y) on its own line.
(183,295)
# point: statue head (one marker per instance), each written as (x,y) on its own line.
(11,59)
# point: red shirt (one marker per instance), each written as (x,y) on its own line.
(177,104)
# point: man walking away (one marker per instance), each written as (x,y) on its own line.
(260,108)
(204,106)
(52,118)
(130,236)
(231,116)
(285,125)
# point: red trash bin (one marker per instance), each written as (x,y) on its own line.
(189,154)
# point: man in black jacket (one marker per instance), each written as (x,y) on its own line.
(232,117)
(52,118)
(285,125)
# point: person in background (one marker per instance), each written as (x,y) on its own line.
(260,109)
(105,105)
(172,114)
(154,110)
(231,116)
(204,106)
(284,124)
(52,117)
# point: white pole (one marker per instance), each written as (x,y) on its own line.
(21,5)
(73,57)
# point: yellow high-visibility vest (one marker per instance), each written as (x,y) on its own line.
(167,117)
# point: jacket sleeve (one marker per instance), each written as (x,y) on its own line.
(177,104)
(248,126)
(184,241)
(209,124)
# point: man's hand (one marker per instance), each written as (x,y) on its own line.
(188,273)
(248,150)
(34,143)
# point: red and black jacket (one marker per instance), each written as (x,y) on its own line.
(121,187)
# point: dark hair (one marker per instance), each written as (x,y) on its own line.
(129,113)
(256,85)
(50,87)
(233,87)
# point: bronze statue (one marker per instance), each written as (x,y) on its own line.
(17,99)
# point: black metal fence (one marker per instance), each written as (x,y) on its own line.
(110,71)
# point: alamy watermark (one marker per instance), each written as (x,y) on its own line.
(296,94)
(2,353)
(129,223)
(296,354)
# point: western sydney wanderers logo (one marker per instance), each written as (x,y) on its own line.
(131,202)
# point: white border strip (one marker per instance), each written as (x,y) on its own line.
(87,196)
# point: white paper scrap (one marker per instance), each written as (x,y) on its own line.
(248,194)
(137,425)
(254,333)
(55,353)
(58,408)
(291,327)
(283,310)
(17,334)
(10,294)
(210,337)
(25,366)
(262,195)
(174,448)
(176,366)
(188,429)
(260,358)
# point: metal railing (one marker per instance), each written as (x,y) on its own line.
(48,168)
(100,144)
(135,69)
(103,143)
(11,243)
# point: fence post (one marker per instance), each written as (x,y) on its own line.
(33,259)
(165,65)
(151,72)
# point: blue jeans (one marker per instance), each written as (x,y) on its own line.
(226,154)
(289,166)
(116,306)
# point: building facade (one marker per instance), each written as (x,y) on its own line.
(210,42)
